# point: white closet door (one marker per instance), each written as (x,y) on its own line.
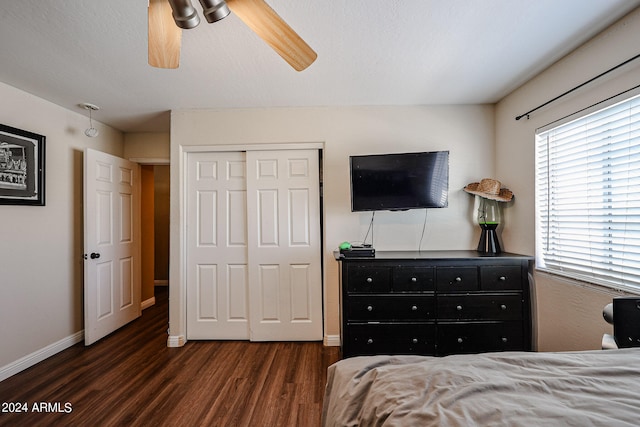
(217,275)
(285,287)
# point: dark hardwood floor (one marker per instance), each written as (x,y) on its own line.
(131,378)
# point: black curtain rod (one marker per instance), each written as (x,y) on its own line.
(590,106)
(577,87)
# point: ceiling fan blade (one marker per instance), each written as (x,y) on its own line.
(267,24)
(164,36)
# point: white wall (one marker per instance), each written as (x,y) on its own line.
(569,313)
(466,131)
(41,248)
(147,147)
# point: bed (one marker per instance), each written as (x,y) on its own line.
(589,388)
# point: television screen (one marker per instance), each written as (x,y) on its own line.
(399,181)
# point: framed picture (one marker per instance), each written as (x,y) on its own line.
(21,167)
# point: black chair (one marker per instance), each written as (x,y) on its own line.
(624,314)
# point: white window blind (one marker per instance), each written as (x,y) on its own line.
(588,197)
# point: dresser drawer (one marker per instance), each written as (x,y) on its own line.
(453,279)
(414,279)
(500,278)
(388,338)
(480,307)
(390,307)
(366,278)
(456,338)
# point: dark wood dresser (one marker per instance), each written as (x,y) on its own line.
(434,303)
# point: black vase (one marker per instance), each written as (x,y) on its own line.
(489,244)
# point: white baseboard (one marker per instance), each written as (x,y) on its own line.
(160,283)
(176,341)
(39,355)
(332,340)
(148,303)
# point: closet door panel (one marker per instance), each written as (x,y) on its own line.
(284,232)
(268,223)
(207,213)
(237,287)
(301,297)
(237,215)
(206,292)
(269,298)
(300,232)
(217,272)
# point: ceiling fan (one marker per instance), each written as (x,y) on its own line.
(167,18)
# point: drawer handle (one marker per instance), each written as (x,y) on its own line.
(414,280)
(504,339)
(370,341)
(369,308)
(459,308)
(458,279)
(460,340)
(414,308)
(415,340)
(369,280)
(503,307)
(502,278)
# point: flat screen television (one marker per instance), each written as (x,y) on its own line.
(399,181)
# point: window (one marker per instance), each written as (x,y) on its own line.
(588,197)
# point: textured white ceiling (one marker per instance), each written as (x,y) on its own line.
(370,52)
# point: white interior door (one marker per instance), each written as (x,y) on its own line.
(112,244)
(217,277)
(285,285)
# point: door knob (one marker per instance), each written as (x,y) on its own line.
(94,255)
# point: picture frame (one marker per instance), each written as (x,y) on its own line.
(22,167)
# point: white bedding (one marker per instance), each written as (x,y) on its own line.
(592,388)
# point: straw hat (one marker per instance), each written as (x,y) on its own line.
(490,189)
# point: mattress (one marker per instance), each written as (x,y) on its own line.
(589,388)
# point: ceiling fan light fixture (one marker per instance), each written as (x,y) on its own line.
(184,14)
(214,10)
(164,37)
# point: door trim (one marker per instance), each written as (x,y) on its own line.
(178,289)
(252,147)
